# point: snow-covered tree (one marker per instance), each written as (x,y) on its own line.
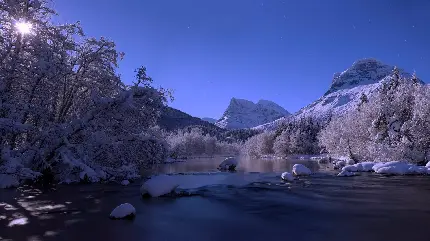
(194,142)
(63,108)
(298,137)
(259,145)
(392,125)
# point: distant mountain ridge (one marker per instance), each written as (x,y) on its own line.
(242,114)
(173,119)
(210,120)
(363,77)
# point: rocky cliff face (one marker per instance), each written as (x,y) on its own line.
(246,114)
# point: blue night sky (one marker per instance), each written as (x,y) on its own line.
(284,51)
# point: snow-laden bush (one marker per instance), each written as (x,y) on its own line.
(392,125)
(259,145)
(64,110)
(192,142)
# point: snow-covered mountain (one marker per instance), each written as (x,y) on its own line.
(210,120)
(246,114)
(363,77)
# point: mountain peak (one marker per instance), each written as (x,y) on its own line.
(266,102)
(246,114)
(362,72)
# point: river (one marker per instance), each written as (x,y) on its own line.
(319,207)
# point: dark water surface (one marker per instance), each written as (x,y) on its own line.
(319,207)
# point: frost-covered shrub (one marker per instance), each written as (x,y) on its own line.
(298,137)
(259,145)
(392,125)
(192,142)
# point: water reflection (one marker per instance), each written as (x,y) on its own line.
(245,165)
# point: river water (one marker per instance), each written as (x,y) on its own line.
(319,207)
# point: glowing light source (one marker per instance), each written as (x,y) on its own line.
(24,27)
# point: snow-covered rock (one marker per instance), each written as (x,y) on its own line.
(428,164)
(230,163)
(301,170)
(395,168)
(359,167)
(246,114)
(346,159)
(7,181)
(367,166)
(125,210)
(377,165)
(399,168)
(125,182)
(339,164)
(350,162)
(159,185)
(350,168)
(345,173)
(287,176)
(417,170)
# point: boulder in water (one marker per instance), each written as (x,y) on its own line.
(286,176)
(159,185)
(339,164)
(350,168)
(345,173)
(301,170)
(229,164)
(123,211)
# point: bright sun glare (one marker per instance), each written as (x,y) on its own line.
(23,27)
